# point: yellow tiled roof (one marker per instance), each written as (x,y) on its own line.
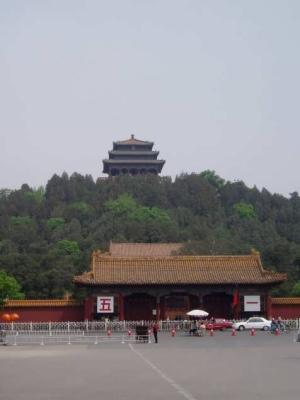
(143,249)
(41,303)
(286,300)
(108,270)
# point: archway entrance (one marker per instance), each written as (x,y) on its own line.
(176,305)
(218,305)
(139,306)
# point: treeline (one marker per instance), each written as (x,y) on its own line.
(47,234)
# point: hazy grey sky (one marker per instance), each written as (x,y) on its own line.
(215,84)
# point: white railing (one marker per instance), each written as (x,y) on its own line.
(89,326)
(38,338)
(94,332)
(56,328)
(292,323)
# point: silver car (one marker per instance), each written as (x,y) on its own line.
(253,323)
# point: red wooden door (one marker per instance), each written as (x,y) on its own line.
(218,305)
(139,307)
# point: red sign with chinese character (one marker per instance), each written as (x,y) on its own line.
(105,305)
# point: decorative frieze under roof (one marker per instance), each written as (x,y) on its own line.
(42,303)
(286,300)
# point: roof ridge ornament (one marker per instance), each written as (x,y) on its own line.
(254,252)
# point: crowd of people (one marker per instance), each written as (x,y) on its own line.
(278,324)
(199,326)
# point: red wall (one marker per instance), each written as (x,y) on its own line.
(286,311)
(47,314)
(76,313)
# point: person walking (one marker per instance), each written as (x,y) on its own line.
(155,330)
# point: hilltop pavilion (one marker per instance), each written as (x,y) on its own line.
(133,157)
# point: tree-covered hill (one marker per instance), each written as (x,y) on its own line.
(47,234)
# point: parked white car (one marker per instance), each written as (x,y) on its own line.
(253,323)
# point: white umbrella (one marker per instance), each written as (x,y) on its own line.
(197,313)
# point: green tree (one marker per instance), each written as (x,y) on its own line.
(124,205)
(9,288)
(79,210)
(21,221)
(69,246)
(213,178)
(244,210)
(195,193)
(296,290)
(145,214)
(36,194)
(54,223)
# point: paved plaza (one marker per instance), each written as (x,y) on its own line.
(211,368)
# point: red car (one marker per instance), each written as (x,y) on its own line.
(218,324)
